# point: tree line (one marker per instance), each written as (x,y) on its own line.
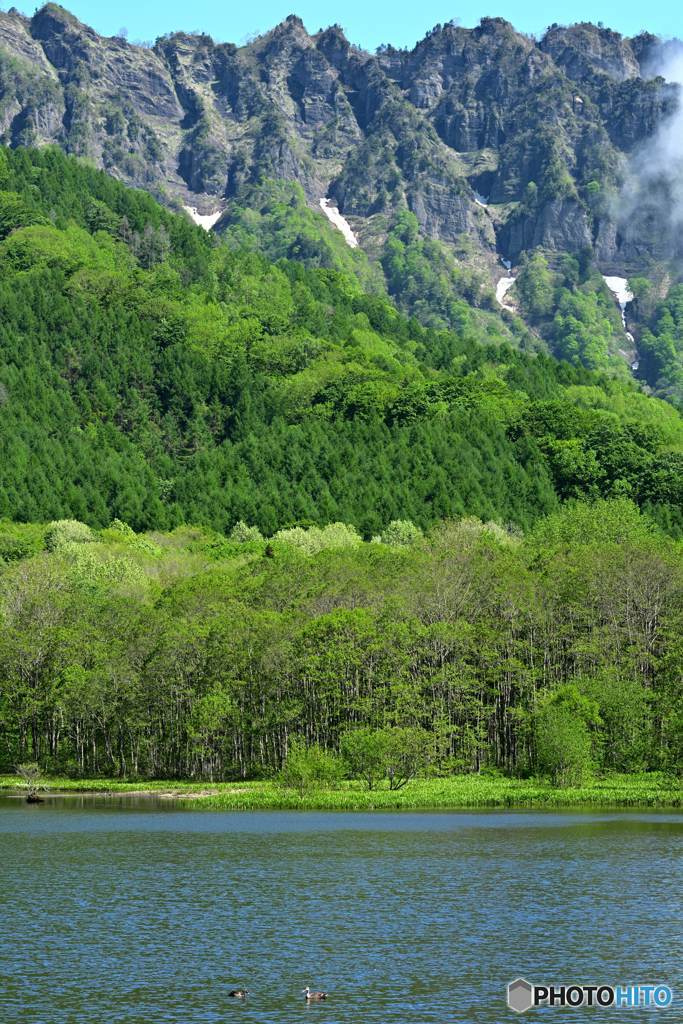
(193,655)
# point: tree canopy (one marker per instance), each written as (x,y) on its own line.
(154,374)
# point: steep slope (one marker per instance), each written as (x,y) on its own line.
(484,111)
(455,165)
(151,372)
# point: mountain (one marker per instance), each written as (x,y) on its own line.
(539,131)
(155,373)
(444,164)
(282,371)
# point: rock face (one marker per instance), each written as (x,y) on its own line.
(542,130)
(586,50)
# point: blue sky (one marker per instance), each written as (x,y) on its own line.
(366,22)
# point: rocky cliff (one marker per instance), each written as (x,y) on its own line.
(497,142)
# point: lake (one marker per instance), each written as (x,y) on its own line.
(132,910)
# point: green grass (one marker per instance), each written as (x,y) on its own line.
(617,791)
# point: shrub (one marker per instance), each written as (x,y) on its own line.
(394,753)
(118,526)
(31,778)
(243,534)
(19,540)
(67,531)
(316,539)
(401,533)
(308,766)
(564,747)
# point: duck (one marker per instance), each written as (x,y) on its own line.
(239,993)
(313,996)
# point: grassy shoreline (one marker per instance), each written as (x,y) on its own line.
(652,791)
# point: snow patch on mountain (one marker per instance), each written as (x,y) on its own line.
(502,288)
(334,216)
(206,220)
(621,292)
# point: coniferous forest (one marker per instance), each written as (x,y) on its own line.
(153,374)
(246,503)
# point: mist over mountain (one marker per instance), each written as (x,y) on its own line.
(653,185)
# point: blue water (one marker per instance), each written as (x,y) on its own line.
(132,911)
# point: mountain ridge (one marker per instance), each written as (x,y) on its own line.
(466,111)
(476,151)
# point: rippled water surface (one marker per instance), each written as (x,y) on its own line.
(120,910)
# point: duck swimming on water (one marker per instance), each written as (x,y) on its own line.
(313,996)
(239,993)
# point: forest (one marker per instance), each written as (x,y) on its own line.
(152,373)
(193,655)
(248,507)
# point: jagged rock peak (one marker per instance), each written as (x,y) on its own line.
(185,40)
(56,18)
(333,32)
(585,48)
(643,46)
(457,129)
(493,26)
(291,26)
(289,34)
(332,41)
(492,35)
